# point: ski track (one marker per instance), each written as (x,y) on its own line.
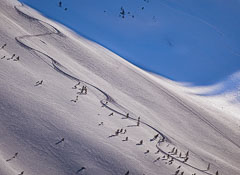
(55,65)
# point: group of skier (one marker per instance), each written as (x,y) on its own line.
(138,120)
(10,58)
(83,90)
(60,5)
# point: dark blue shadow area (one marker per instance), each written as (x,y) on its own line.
(229,85)
(198,42)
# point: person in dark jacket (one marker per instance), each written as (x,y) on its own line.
(4,46)
(138,121)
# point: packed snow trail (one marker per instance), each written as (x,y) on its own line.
(56,65)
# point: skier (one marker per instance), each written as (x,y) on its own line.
(117,132)
(15,155)
(16,59)
(74,87)
(84,90)
(146,152)
(76,99)
(4,46)
(208,168)
(154,138)
(83,168)
(21,173)
(11,57)
(156,159)
(165,158)
(111,114)
(176,173)
(140,143)
(127,116)
(187,153)
(122,12)
(185,160)
(126,139)
(39,82)
(170,162)
(62,140)
(104,104)
(158,151)
(138,121)
(60,4)
(127,173)
(180,155)
(172,150)
(3,57)
(176,151)
(168,156)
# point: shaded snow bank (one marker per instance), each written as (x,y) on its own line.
(195,42)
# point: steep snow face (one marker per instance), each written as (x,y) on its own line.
(50,125)
(194,42)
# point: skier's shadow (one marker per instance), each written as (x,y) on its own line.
(13,157)
(81,169)
(114,135)
(60,141)
(132,125)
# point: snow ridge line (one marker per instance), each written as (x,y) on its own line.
(109,99)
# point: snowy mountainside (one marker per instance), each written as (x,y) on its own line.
(49,126)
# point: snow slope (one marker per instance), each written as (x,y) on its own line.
(35,118)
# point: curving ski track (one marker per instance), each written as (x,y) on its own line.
(56,65)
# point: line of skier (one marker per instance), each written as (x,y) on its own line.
(173,152)
(83,89)
(60,5)
(11,58)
